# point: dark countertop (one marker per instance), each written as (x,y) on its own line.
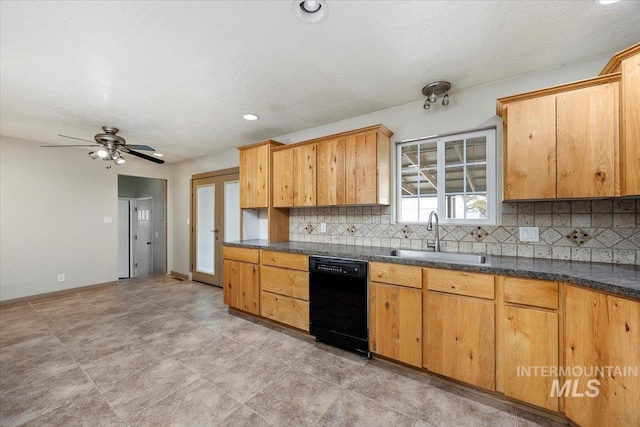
(623,280)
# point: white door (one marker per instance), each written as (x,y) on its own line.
(205,231)
(124,239)
(143,248)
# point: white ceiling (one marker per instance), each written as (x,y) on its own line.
(179,75)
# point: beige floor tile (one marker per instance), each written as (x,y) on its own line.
(23,371)
(30,348)
(34,400)
(204,358)
(183,339)
(123,363)
(330,367)
(294,399)
(245,417)
(147,387)
(89,410)
(111,342)
(352,409)
(247,374)
(395,388)
(198,404)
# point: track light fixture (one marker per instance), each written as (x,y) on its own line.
(433,90)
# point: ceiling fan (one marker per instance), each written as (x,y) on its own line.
(111,146)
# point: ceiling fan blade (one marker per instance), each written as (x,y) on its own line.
(142,156)
(79,139)
(62,146)
(139,147)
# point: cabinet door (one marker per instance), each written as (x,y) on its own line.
(283,178)
(246,178)
(602,331)
(261,176)
(248,286)
(331,173)
(530,149)
(587,137)
(630,111)
(231,294)
(395,322)
(461,339)
(304,175)
(530,339)
(361,165)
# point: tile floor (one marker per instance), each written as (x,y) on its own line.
(161,351)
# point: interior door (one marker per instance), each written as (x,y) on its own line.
(143,256)
(215,218)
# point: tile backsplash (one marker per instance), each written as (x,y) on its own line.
(599,231)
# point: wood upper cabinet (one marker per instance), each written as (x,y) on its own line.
(361,164)
(530,149)
(395,322)
(602,331)
(630,138)
(255,189)
(294,176)
(587,139)
(331,172)
(562,142)
(461,338)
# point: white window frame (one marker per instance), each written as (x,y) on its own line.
(492,190)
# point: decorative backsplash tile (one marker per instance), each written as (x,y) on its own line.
(612,229)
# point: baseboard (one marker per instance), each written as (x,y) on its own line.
(179,275)
(57,293)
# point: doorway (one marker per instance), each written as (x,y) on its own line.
(215,218)
(142,230)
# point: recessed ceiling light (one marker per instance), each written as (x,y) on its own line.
(608,1)
(311,11)
(158,154)
(250,116)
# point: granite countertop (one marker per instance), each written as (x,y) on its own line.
(622,280)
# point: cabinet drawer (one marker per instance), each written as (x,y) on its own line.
(292,283)
(290,311)
(460,283)
(396,274)
(286,260)
(537,293)
(241,254)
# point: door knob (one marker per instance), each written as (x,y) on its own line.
(148,243)
(216,230)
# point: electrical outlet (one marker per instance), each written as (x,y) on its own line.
(323,227)
(529,234)
(107,220)
(61,277)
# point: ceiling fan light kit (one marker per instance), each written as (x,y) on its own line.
(111,146)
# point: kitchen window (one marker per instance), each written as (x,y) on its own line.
(454,175)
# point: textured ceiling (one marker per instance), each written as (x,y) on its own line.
(179,75)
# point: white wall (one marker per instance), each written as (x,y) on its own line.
(52,202)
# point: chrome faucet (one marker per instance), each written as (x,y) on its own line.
(436,245)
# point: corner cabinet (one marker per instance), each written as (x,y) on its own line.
(255,174)
(562,142)
(241,289)
(351,168)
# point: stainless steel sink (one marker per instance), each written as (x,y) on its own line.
(452,257)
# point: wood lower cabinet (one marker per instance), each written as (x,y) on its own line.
(395,322)
(530,340)
(602,331)
(461,338)
(284,294)
(242,286)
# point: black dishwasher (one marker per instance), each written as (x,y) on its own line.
(338,302)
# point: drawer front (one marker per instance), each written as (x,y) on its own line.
(241,254)
(460,283)
(287,310)
(292,283)
(537,293)
(395,274)
(286,260)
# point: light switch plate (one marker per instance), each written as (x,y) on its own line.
(323,227)
(107,220)
(529,234)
